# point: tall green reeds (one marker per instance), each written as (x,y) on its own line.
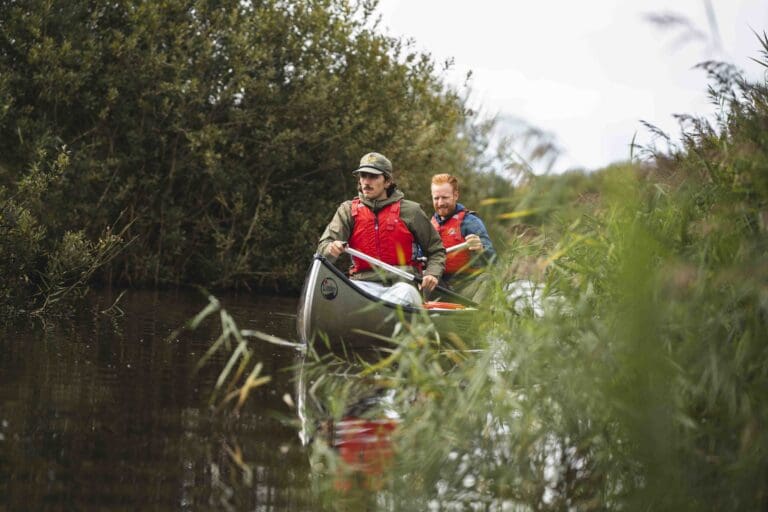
(642,384)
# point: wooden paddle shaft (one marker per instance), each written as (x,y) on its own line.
(386,266)
(457,247)
(406,275)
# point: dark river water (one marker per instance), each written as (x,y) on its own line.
(103,412)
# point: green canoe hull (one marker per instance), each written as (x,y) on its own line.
(333,311)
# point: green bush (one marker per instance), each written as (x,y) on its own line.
(219,135)
(38,270)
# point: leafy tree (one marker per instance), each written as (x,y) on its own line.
(217,136)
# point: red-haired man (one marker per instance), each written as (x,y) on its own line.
(457,225)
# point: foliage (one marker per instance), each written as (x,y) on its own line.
(38,270)
(206,142)
(640,381)
(232,377)
(219,135)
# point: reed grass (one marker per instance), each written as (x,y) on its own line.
(642,383)
(639,382)
(236,343)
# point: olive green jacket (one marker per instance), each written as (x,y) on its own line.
(340,228)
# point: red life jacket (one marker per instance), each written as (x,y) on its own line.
(450,232)
(383,236)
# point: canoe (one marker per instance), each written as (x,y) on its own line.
(335,309)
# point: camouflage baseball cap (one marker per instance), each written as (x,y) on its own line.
(375,163)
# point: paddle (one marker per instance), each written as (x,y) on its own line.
(457,247)
(454,248)
(407,275)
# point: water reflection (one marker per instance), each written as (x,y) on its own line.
(365,446)
(102,412)
(348,423)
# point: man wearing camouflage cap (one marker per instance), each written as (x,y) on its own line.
(382,223)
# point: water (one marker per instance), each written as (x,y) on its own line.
(103,412)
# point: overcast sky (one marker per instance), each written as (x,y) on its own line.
(586,71)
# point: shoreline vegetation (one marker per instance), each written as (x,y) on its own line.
(174,144)
(641,385)
(167,145)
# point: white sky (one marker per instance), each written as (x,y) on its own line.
(585,71)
